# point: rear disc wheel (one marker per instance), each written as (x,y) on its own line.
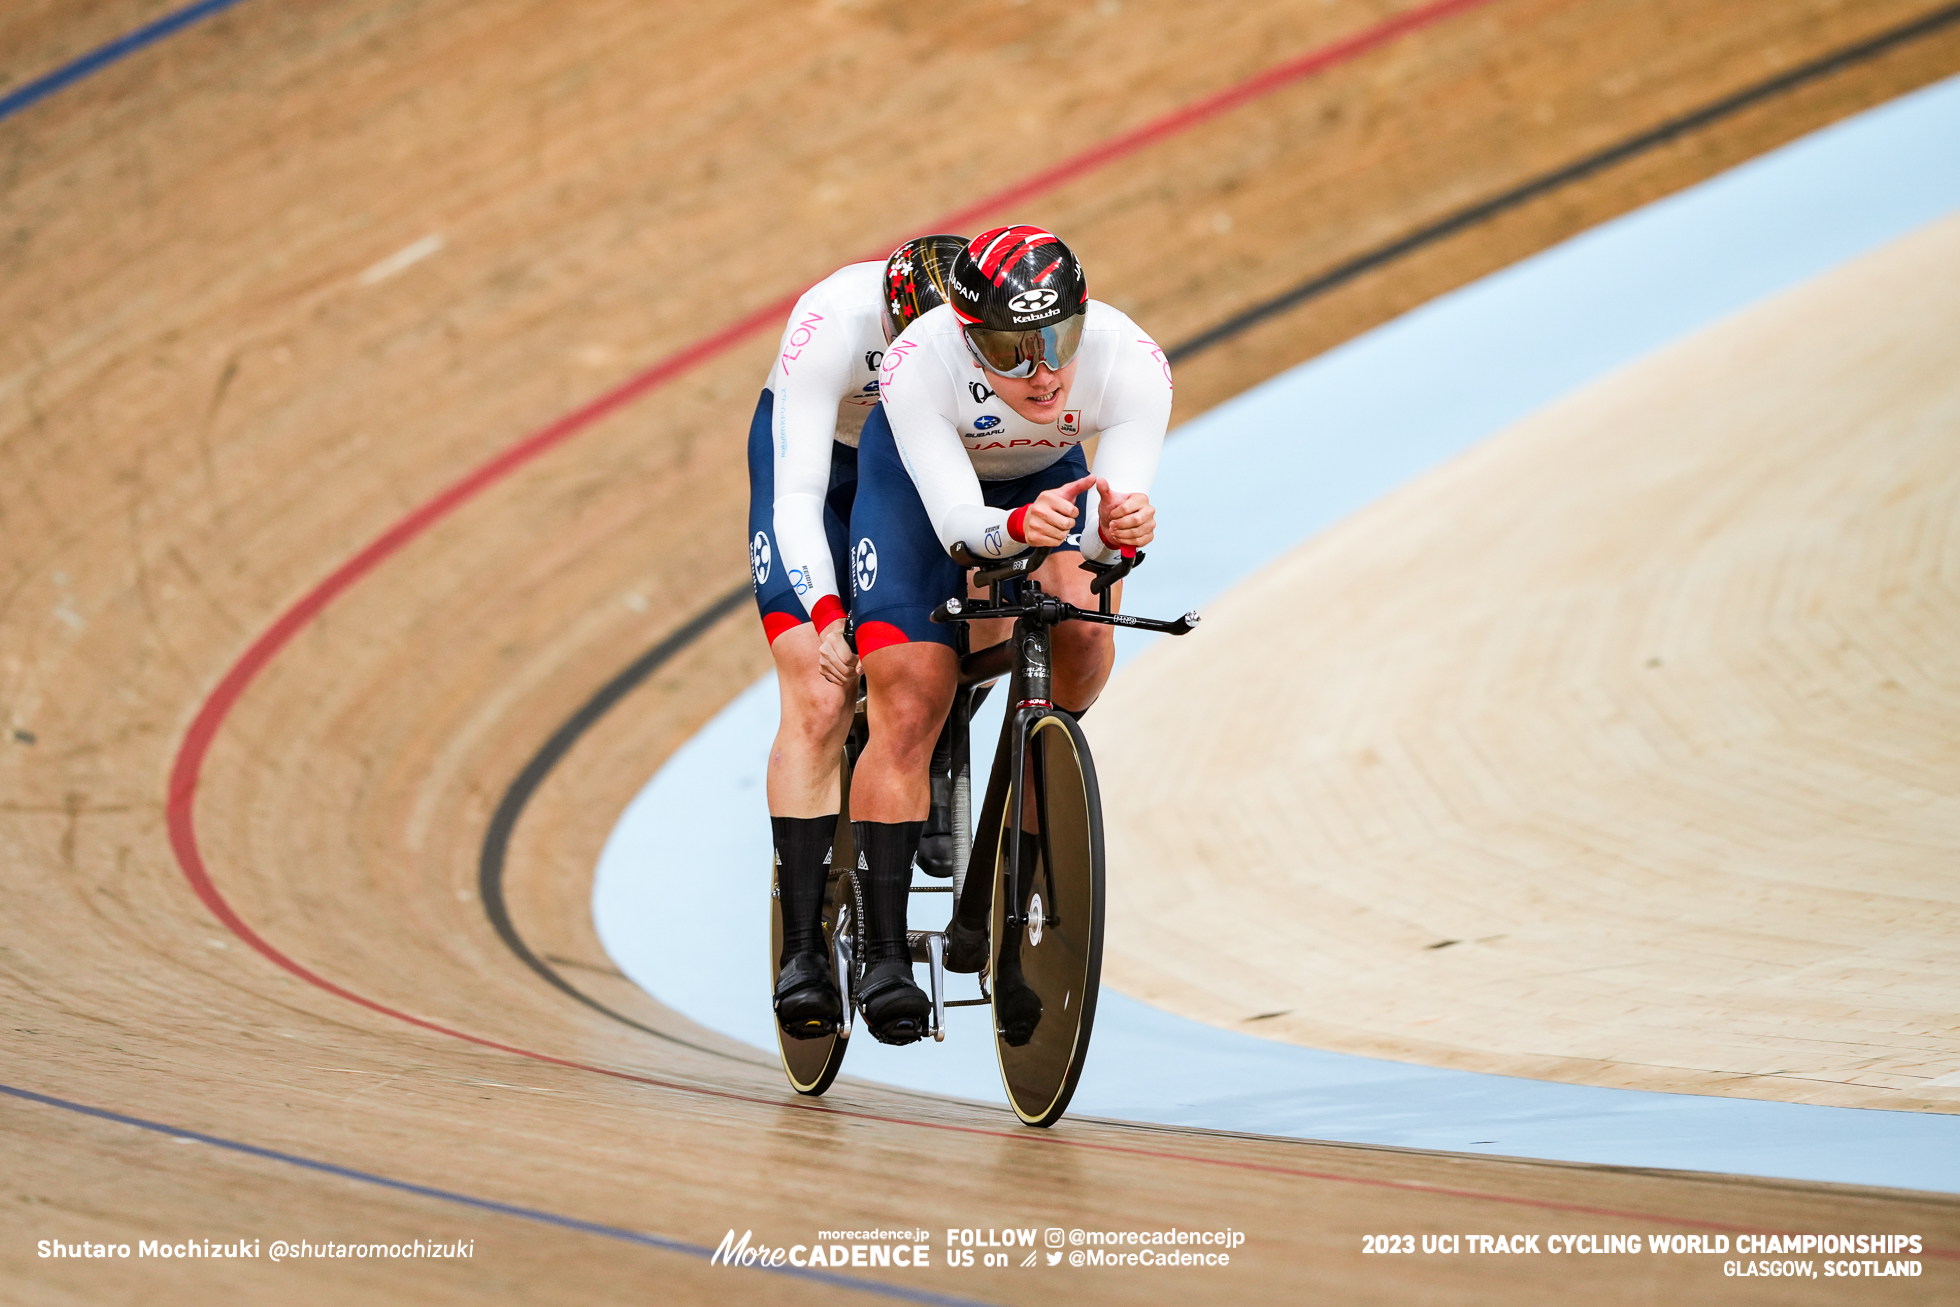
(811,1064)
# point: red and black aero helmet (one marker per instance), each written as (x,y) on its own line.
(1021,296)
(917,276)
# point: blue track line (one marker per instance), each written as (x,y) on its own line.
(502,1209)
(41,88)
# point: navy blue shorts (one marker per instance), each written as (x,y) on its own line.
(776,587)
(899,573)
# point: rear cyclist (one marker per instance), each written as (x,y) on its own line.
(802,478)
(985,403)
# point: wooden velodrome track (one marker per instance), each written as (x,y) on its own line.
(246,813)
(1617,750)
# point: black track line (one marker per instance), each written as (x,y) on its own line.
(496,841)
(1578,170)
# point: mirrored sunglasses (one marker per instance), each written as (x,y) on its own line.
(1019,353)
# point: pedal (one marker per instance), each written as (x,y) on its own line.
(936,958)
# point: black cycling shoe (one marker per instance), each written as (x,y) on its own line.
(1017,1008)
(894,1007)
(966,948)
(935,855)
(807,1005)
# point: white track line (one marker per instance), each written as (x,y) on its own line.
(406,257)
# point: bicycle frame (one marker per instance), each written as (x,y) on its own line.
(1027,655)
(1039,1072)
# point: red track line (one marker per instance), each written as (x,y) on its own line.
(180,806)
(1211,106)
(211,715)
(189,764)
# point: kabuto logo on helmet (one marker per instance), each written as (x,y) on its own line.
(1034,301)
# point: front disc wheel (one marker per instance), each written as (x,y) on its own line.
(1046,970)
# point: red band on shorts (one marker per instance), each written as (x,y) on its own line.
(774,624)
(1017,520)
(828,610)
(873,636)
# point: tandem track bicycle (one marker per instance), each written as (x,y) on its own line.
(1030,924)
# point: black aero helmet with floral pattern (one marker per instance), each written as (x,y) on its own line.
(916,277)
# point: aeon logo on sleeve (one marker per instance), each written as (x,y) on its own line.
(888,365)
(799,336)
(864,564)
(1034,300)
(759,558)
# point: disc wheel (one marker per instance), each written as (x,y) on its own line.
(811,1064)
(1055,957)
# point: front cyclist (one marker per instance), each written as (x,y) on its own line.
(803,454)
(985,403)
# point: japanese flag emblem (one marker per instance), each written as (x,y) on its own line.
(1071,423)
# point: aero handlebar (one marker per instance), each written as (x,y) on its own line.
(1045,608)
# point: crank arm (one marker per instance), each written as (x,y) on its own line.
(936,959)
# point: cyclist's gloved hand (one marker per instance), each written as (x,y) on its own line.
(1127,521)
(835,658)
(1049,519)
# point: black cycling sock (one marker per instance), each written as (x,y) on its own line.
(884,876)
(802,865)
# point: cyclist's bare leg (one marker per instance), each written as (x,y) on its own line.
(802,775)
(803,789)
(910,690)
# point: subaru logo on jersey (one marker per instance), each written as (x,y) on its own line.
(1034,300)
(1071,423)
(865,564)
(985,422)
(759,558)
